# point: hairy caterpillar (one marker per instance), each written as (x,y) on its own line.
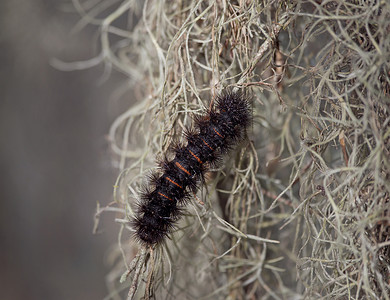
(211,136)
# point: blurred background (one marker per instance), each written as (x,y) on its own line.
(54,156)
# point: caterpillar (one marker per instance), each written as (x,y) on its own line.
(211,136)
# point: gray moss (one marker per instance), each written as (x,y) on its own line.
(301,210)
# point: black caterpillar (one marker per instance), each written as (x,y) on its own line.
(212,136)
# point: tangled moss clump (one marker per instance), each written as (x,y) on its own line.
(302,210)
